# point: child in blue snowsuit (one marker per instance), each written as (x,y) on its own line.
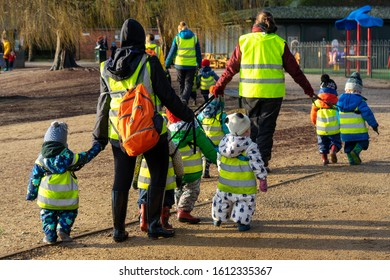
(206,78)
(54,184)
(354,113)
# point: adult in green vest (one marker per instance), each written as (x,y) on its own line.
(186,55)
(116,76)
(261,58)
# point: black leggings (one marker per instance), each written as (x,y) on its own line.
(156,158)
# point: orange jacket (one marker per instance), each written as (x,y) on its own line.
(327,100)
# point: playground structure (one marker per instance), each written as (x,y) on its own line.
(355,20)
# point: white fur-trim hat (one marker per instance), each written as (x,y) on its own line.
(237,123)
(57,132)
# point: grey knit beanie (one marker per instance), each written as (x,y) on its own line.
(354,83)
(58,132)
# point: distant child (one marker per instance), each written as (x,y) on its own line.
(113,49)
(324,116)
(11,59)
(54,184)
(207,78)
(174,179)
(240,167)
(152,48)
(192,142)
(354,113)
(212,119)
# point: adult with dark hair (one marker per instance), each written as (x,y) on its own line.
(261,58)
(130,64)
(185,51)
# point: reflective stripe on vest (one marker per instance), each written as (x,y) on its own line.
(236,176)
(192,162)
(206,83)
(144,176)
(117,90)
(213,128)
(352,123)
(186,53)
(261,70)
(58,191)
(327,122)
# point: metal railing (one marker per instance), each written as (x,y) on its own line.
(321,57)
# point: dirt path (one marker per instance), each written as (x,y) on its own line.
(310,211)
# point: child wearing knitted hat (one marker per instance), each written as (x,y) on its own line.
(240,167)
(324,116)
(354,112)
(54,184)
(207,78)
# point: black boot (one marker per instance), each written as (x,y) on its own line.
(155,200)
(119,210)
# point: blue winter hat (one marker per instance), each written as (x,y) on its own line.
(57,132)
(354,83)
(327,85)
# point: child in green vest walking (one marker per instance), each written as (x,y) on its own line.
(240,169)
(192,142)
(207,78)
(54,184)
(354,113)
(324,116)
(174,179)
(212,119)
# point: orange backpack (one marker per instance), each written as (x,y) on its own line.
(139,124)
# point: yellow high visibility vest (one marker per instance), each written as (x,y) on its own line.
(352,123)
(186,53)
(206,83)
(213,128)
(144,176)
(236,176)
(58,191)
(192,162)
(327,122)
(261,70)
(117,90)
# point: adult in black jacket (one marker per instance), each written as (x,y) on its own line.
(118,72)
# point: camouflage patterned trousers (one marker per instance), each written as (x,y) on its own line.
(187,196)
(54,220)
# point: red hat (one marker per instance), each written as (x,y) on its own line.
(171,117)
(205,62)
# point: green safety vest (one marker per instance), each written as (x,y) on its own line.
(206,83)
(153,47)
(261,69)
(236,176)
(58,191)
(352,123)
(117,90)
(327,122)
(186,53)
(144,176)
(192,162)
(213,128)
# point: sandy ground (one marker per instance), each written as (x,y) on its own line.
(311,212)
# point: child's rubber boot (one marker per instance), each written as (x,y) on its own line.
(325,160)
(143,223)
(165,214)
(186,217)
(355,154)
(333,152)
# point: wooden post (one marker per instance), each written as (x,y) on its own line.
(347,62)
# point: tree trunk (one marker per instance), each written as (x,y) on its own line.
(64,56)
